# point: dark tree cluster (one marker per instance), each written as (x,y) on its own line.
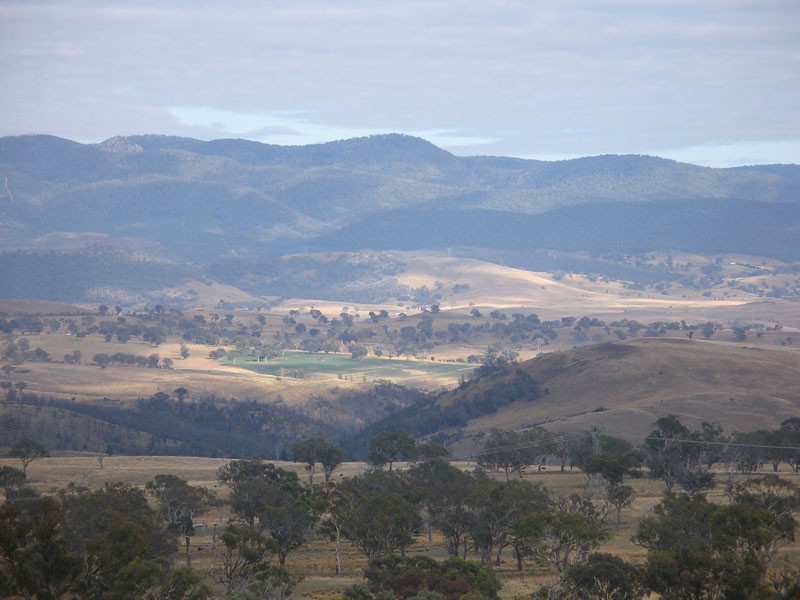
(20,351)
(427,416)
(172,424)
(24,324)
(127,360)
(108,544)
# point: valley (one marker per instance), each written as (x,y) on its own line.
(605,342)
(304,353)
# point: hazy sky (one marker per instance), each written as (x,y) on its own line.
(714,82)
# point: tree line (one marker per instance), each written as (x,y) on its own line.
(671,452)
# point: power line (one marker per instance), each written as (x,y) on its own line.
(588,435)
(714,443)
(529,444)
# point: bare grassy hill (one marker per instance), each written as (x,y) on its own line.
(467,282)
(622,388)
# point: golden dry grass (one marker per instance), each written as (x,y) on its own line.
(497,286)
(624,388)
(198,373)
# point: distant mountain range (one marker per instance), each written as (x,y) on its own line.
(187,201)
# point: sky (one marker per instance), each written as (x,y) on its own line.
(711,82)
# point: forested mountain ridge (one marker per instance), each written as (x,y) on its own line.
(126,219)
(202,199)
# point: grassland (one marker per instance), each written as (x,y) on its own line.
(554,296)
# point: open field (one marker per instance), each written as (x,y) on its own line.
(291,378)
(316,560)
(334,367)
(129,383)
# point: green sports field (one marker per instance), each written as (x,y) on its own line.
(323,366)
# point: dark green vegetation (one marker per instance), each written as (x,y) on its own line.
(103,544)
(182,209)
(164,425)
(430,416)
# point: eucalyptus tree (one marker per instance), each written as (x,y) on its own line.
(316,450)
(28,451)
(272,502)
(179,503)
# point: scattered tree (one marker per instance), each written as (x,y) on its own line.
(604,577)
(271,501)
(246,572)
(179,503)
(390,446)
(316,450)
(559,538)
(35,556)
(11,479)
(28,451)
(423,577)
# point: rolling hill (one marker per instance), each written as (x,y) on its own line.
(623,388)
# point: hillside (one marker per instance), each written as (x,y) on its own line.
(623,388)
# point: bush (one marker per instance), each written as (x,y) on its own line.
(424,578)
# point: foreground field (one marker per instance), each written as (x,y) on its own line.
(315,561)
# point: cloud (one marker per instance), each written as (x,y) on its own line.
(270,130)
(745,152)
(503,76)
(294,128)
